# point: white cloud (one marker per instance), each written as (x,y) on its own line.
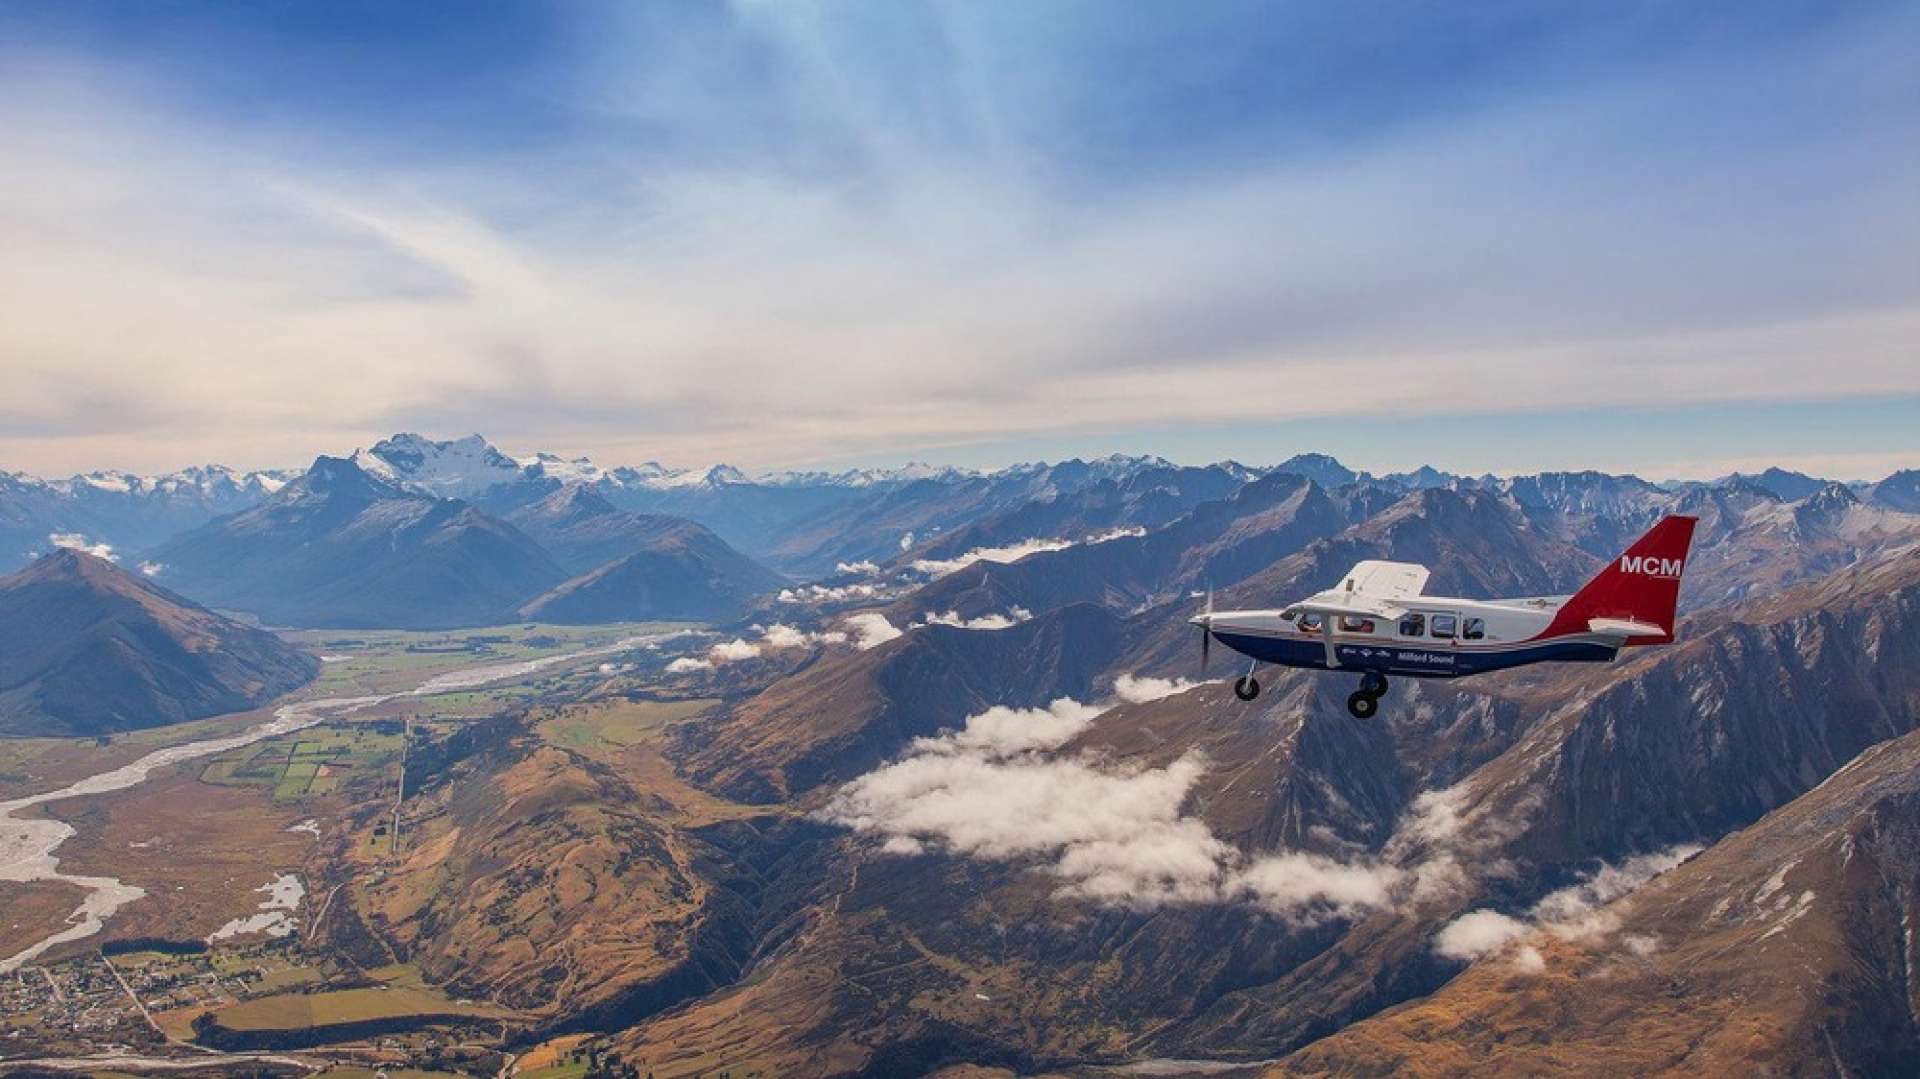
(1109,833)
(780,637)
(688,663)
(1640,944)
(733,651)
(1003,732)
(1116,836)
(1294,884)
(871,629)
(74,541)
(862,568)
(1140,690)
(1118,533)
(1012,618)
(846,593)
(151,569)
(1013,552)
(1477,933)
(1576,912)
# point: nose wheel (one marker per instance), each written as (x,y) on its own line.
(1365,701)
(1246,687)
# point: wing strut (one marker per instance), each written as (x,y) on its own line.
(1326,634)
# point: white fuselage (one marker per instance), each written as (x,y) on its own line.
(1423,636)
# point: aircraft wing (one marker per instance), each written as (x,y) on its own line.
(1385,580)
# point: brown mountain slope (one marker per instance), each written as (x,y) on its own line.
(584,894)
(1785,949)
(88,648)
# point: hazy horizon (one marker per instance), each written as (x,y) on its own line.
(1898,463)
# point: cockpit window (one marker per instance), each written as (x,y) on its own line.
(1413,624)
(1289,614)
(1351,624)
(1445,625)
(1474,629)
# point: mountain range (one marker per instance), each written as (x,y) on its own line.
(342,546)
(800,523)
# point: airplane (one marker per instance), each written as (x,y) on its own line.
(1377,622)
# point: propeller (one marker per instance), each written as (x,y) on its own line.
(1205,622)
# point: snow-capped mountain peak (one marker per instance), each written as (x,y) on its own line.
(577,470)
(461,468)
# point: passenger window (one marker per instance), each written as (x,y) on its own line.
(1310,623)
(1413,625)
(1444,625)
(1474,629)
(1356,625)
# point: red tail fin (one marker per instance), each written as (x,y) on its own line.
(1642,585)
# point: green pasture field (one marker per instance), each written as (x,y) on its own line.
(310,763)
(384,660)
(617,723)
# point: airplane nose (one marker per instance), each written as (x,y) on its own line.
(1203,620)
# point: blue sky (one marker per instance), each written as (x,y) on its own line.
(1669,238)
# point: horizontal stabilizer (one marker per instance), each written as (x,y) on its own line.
(1621,627)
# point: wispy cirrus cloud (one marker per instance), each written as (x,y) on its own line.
(944,228)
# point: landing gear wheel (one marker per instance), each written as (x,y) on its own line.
(1373,684)
(1362,705)
(1246,687)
